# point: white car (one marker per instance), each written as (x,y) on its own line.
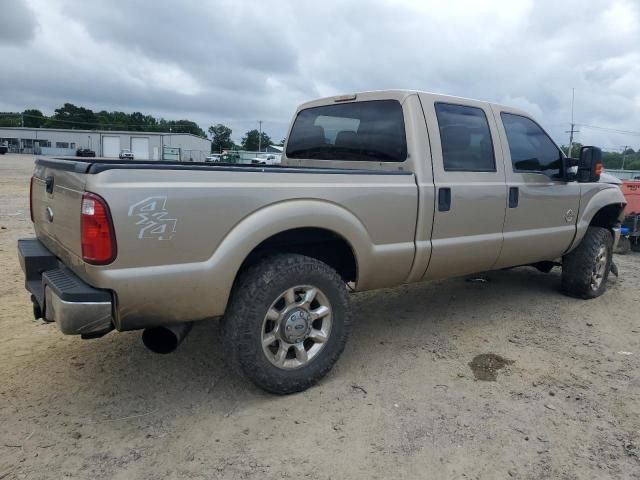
(266,159)
(126,155)
(213,158)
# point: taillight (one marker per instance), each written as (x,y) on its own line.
(31,198)
(97,235)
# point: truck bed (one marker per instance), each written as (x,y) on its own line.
(179,225)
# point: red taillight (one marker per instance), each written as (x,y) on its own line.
(31,198)
(98,238)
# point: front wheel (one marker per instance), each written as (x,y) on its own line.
(287,322)
(586,268)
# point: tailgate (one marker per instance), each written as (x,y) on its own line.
(56,199)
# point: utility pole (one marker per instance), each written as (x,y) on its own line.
(573,130)
(260,136)
(624,149)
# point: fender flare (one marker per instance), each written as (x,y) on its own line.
(280,217)
(602,199)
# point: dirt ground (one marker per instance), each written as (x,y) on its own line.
(402,402)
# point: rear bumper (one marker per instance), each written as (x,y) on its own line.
(61,296)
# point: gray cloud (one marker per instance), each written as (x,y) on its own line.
(18,23)
(236,62)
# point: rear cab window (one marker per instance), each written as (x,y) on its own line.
(465,137)
(360,131)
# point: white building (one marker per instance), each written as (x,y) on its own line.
(106,143)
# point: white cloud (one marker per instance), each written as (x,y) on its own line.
(236,62)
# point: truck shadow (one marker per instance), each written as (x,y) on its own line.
(119,377)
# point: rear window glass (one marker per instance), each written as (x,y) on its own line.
(466,138)
(361,131)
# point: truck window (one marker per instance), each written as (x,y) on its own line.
(360,131)
(531,148)
(466,138)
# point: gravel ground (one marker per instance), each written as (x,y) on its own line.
(402,402)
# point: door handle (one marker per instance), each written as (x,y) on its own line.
(444,199)
(514,196)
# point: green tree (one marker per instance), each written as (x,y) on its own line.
(71,116)
(181,126)
(251,140)
(575,150)
(220,138)
(33,118)
(9,119)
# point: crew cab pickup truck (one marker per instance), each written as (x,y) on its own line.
(375,190)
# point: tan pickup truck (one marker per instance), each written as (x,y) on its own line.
(375,190)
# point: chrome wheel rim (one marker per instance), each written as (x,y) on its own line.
(296,327)
(599,268)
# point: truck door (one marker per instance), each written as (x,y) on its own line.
(540,222)
(469,181)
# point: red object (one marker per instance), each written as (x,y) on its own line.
(598,169)
(631,191)
(31,198)
(98,236)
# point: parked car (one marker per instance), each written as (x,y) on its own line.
(213,158)
(126,155)
(4,148)
(230,157)
(265,159)
(375,190)
(85,152)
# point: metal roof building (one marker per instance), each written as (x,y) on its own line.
(106,143)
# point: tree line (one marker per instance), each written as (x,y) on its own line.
(253,140)
(73,117)
(630,158)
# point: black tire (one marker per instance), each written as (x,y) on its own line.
(253,295)
(579,265)
(624,246)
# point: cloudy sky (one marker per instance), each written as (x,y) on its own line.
(235,62)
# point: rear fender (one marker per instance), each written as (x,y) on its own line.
(200,290)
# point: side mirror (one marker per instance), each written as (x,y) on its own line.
(589,164)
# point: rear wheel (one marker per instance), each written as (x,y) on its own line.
(287,322)
(585,269)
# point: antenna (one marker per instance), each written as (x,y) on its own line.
(573,130)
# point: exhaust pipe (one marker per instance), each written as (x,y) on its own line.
(165,339)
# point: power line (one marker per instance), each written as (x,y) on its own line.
(608,129)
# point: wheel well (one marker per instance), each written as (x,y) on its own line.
(608,216)
(321,244)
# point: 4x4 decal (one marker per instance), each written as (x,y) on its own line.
(153,218)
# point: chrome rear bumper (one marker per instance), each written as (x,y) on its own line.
(61,296)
